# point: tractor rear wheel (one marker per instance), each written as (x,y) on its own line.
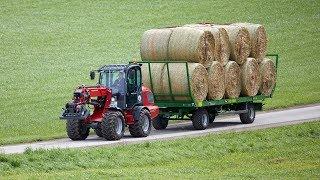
(142,125)
(112,125)
(98,130)
(200,119)
(249,116)
(160,123)
(77,130)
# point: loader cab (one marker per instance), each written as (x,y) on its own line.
(125,84)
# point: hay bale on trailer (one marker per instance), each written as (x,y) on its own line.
(154,44)
(156,70)
(192,45)
(232,80)
(216,86)
(239,39)
(198,78)
(258,37)
(250,77)
(221,52)
(268,76)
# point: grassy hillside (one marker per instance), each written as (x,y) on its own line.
(48,47)
(290,152)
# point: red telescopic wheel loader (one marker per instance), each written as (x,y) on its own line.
(118,100)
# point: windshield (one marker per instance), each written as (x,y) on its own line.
(113,79)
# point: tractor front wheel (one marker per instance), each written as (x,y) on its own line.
(112,125)
(77,130)
(142,125)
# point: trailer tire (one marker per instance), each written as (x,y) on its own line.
(112,125)
(142,125)
(98,130)
(211,118)
(160,123)
(77,130)
(248,117)
(200,119)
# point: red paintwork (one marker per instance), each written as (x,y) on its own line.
(98,92)
(154,110)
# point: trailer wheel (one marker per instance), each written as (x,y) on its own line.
(200,119)
(98,130)
(77,130)
(211,118)
(248,117)
(112,125)
(160,123)
(141,126)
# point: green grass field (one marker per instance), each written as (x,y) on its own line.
(47,48)
(290,152)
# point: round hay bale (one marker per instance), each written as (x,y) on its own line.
(192,45)
(154,44)
(232,80)
(239,39)
(250,77)
(198,77)
(221,52)
(259,40)
(156,69)
(268,76)
(216,86)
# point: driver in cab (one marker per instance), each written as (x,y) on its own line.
(119,83)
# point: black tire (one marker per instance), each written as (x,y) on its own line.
(77,130)
(160,123)
(141,126)
(200,119)
(248,117)
(98,130)
(211,118)
(112,125)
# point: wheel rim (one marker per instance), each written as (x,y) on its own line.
(119,126)
(145,123)
(204,120)
(251,113)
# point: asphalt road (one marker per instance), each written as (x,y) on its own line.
(181,130)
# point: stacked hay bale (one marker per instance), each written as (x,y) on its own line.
(268,76)
(178,44)
(224,61)
(232,80)
(221,51)
(258,38)
(198,78)
(239,40)
(154,44)
(250,77)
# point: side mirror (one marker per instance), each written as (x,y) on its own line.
(92,75)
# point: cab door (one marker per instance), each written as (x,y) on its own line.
(134,87)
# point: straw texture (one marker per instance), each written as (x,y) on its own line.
(258,38)
(156,69)
(221,51)
(216,77)
(250,77)
(198,77)
(268,76)
(192,45)
(239,40)
(232,80)
(154,44)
